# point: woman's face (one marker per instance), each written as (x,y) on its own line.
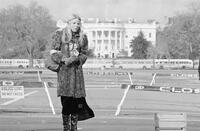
(75,25)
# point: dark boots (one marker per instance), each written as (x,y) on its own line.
(70,122)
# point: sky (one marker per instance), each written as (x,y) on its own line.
(139,10)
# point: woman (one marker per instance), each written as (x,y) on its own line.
(69,48)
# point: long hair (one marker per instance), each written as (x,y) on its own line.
(67,35)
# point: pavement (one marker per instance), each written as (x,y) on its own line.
(34,113)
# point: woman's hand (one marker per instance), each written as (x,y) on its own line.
(70,60)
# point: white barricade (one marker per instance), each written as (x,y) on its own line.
(170,121)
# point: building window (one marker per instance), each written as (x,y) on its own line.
(106,47)
(99,33)
(99,44)
(149,35)
(106,56)
(113,55)
(99,47)
(99,41)
(118,34)
(118,44)
(113,44)
(113,34)
(105,41)
(94,43)
(105,34)
(93,34)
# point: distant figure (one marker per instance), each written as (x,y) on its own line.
(199,68)
(69,49)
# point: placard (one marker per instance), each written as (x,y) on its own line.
(12,91)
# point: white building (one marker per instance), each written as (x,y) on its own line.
(108,38)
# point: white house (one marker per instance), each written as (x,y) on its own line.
(109,37)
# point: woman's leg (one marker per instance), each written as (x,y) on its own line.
(66,116)
(66,122)
(74,122)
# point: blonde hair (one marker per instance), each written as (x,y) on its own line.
(67,35)
(73,16)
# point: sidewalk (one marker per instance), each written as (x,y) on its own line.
(41,122)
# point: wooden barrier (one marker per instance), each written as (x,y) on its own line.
(170,121)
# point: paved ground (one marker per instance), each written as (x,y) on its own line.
(137,113)
(33,113)
(99,123)
(54,124)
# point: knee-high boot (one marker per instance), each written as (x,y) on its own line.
(66,122)
(74,121)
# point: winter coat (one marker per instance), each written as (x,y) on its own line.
(70,76)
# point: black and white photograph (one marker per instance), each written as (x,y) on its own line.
(99,65)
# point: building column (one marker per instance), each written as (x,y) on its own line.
(102,44)
(109,41)
(115,46)
(95,38)
(97,45)
(115,40)
(120,40)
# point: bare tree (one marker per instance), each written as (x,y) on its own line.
(25,30)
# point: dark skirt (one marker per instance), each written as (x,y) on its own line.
(78,106)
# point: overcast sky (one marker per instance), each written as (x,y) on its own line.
(140,10)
